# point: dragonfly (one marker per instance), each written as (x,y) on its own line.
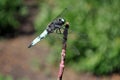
(55,25)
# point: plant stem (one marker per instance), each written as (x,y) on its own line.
(63,53)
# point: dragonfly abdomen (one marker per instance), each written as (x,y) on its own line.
(36,40)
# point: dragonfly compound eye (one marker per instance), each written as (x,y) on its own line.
(62,20)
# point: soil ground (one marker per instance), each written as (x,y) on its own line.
(30,63)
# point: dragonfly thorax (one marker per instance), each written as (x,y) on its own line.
(56,24)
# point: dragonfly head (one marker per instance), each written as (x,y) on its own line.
(61,21)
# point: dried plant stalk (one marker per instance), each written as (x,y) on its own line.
(63,53)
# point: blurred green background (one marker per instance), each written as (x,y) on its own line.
(94,37)
(94,43)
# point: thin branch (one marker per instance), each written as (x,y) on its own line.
(63,53)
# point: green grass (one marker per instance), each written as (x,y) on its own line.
(5,77)
(10,11)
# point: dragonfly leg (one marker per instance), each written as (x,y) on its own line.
(58,31)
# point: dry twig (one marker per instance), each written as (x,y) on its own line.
(63,53)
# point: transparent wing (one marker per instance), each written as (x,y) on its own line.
(61,14)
